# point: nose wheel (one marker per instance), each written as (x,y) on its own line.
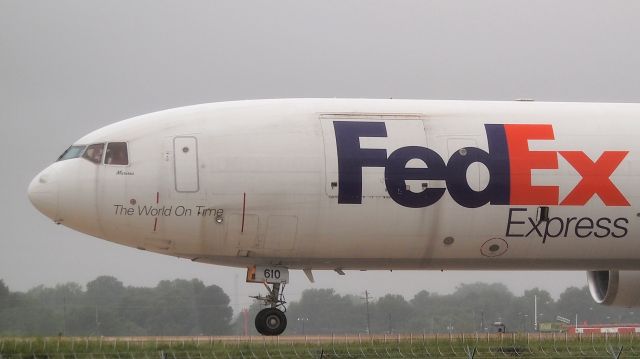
(271,321)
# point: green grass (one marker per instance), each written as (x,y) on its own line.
(405,346)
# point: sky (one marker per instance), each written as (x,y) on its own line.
(69,67)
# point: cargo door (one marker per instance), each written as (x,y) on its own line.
(185,152)
(400,130)
(353,139)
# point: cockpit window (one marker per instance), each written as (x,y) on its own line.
(93,153)
(116,154)
(71,152)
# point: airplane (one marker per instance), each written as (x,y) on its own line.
(364,184)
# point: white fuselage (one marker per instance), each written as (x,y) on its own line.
(365,184)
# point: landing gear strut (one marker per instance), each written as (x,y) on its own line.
(271,320)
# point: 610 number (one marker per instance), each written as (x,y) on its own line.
(272,273)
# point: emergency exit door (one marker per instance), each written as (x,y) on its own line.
(185,159)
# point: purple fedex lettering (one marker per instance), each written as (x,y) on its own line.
(496,161)
(352,158)
(396,173)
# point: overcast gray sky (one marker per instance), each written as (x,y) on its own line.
(69,67)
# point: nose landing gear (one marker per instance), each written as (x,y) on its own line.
(272,320)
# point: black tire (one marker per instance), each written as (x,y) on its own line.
(271,321)
(260,322)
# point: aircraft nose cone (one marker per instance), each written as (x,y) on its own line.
(43,194)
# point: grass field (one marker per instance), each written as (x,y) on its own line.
(338,346)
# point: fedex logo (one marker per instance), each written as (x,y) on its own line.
(509,160)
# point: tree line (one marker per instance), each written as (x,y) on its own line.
(107,307)
(188,307)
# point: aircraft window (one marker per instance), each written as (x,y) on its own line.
(116,154)
(71,152)
(94,153)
